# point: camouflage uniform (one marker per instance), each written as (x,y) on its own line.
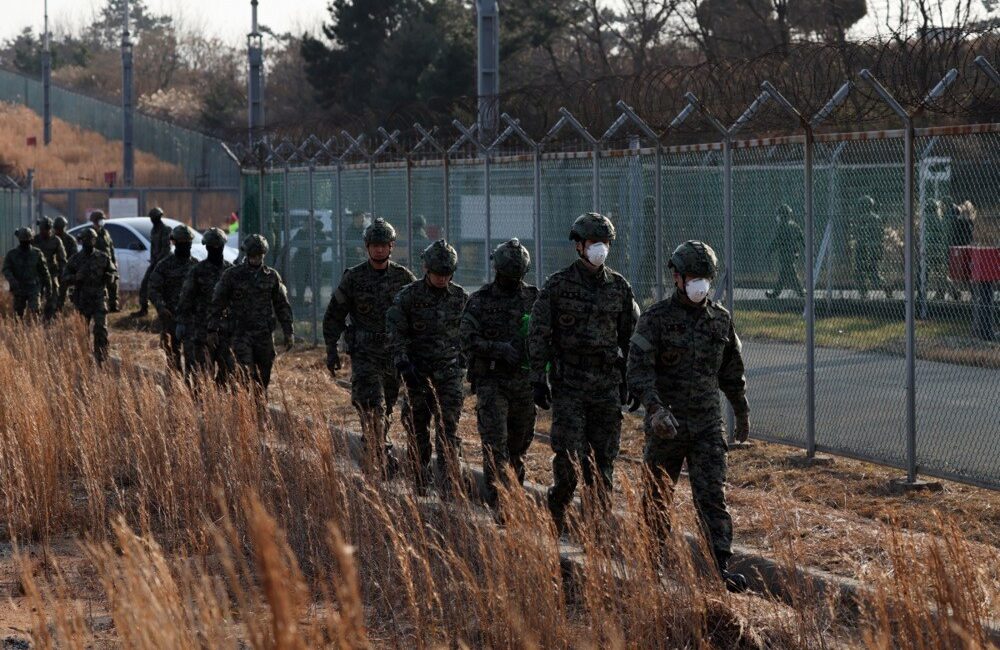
(581,325)
(55,257)
(71,248)
(301,270)
(365,295)
(165,285)
(193,313)
(27,274)
(786,246)
(94,279)
(494,339)
(423,330)
(159,250)
(251,298)
(106,246)
(869,247)
(682,354)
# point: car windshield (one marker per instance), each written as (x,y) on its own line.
(144,227)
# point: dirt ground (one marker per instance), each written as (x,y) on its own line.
(840,515)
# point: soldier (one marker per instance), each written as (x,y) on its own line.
(581,324)
(70,245)
(420,238)
(55,257)
(106,246)
(423,330)
(251,297)
(27,274)
(354,234)
(165,283)
(869,247)
(961,224)
(94,279)
(786,246)
(494,338)
(365,294)
(193,310)
(301,269)
(683,352)
(159,249)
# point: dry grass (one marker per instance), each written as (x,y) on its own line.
(205,522)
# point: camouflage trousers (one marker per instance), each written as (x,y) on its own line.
(174,347)
(787,279)
(144,285)
(374,391)
(706,461)
(254,352)
(437,395)
(99,320)
(27,302)
(586,431)
(505,416)
(202,358)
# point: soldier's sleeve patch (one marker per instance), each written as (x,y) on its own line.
(641,342)
(340,297)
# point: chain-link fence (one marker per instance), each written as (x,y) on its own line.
(204,161)
(15,212)
(869,328)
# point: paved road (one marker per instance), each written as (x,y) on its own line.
(860,406)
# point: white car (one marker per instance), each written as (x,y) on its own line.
(131,238)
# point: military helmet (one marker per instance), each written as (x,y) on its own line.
(511,258)
(379,231)
(23,234)
(60,222)
(44,222)
(867,202)
(156,213)
(592,226)
(255,245)
(88,235)
(440,258)
(784,211)
(696,259)
(97,214)
(181,234)
(214,238)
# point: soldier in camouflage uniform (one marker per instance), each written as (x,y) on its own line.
(165,285)
(250,297)
(94,279)
(159,250)
(107,246)
(423,330)
(786,246)
(365,294)
(55,257)
(494,339)
(27,274)
(71,247)
(580,325)
(200,349)
(869,247)
(684,351)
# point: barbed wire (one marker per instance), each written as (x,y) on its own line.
(808,74)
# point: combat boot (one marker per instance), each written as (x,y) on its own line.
(735,582)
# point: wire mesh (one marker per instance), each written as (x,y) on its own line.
(15,212)
(567,185)
(627,183)
(467,210)
(512,202)
(428,197)
(355,203)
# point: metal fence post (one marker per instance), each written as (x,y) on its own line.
(537,216)
(908,266)
(409,210)
(488,235)
(286,226)
(446,218)
(313,270)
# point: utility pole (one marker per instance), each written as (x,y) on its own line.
(255,78)
(128,108)
(488,69)
(46,82)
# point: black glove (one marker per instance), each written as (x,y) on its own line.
(542,395)
(408,372)
(633,402)
(212,340)
(742,427)
(163,313)
(333,361)
(180,331)
(289,341)
(509,354)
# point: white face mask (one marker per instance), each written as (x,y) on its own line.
(597,253)
(99,223)
(697,290)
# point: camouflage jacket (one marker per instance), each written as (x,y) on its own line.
(788,241)
(159,243)
(681,357)
(166,281)
(581,324)
(105,244)
(55,253)
(494,316)
(26,272)
(94,277)
(250,299)
(422,325)
(365,295)
(195,301)
(69,243)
